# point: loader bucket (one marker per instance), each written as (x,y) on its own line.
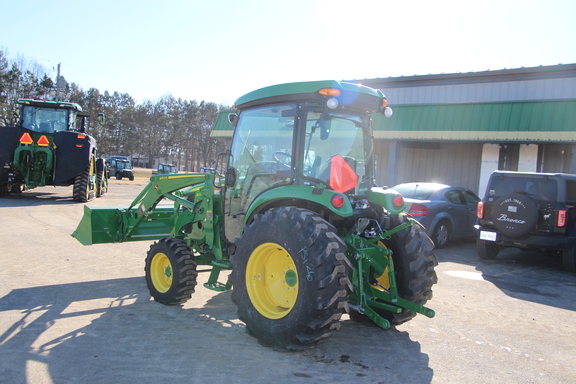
(109,225)
(98,225)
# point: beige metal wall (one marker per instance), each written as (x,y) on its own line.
(455,163)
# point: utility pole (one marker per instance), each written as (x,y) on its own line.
(58,84)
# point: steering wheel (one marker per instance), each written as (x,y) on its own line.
(286,161)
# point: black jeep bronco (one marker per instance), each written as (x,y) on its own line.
(529,210)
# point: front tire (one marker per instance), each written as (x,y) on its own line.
(170,271)
(290,278)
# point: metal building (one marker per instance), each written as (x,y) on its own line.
(458,128)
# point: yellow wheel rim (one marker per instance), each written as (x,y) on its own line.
(161,272)
(272,280)
(383,279)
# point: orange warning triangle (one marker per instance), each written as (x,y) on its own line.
(26,139)
(43,141)
(342,176)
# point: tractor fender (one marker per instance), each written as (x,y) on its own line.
(300,196)
(100,164)
(385,197)
(9,137)
(73,154)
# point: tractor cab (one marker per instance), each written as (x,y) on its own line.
(317,136)
(51,116)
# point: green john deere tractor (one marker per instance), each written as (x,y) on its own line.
(50,146)
(296,218)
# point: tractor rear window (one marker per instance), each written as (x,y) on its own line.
(539,188)
(45,120)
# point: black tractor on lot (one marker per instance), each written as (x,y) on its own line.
(49,146)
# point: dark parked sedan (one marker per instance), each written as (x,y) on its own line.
(447,212)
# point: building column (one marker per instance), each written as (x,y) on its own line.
(528,158)
(490,156)
(573,162)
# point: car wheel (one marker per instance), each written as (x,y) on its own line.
(442,234)
(569,259)
(487,250)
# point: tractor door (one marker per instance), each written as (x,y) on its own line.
(260,159)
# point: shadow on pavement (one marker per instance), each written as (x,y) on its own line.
(526,275)
(112,332)
(32,198)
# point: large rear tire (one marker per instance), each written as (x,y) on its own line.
(290,278)
(414,264)
(170,271)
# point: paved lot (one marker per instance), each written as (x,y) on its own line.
(75,314)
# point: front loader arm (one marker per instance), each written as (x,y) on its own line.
(144,219)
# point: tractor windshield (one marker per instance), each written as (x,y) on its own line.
(338,150)
(45,120)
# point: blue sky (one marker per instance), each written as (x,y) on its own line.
(218,50)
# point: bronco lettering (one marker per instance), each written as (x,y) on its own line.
(504,217)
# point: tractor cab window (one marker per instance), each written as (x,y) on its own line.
(261,157)
(337,150)
(45,120)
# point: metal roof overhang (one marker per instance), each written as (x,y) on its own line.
(543,121)
(223,127)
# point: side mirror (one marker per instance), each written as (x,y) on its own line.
(83,124)
(101,118)
(233,119)
(324,128)
(231,177)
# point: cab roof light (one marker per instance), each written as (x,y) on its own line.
(329,92)
(26,139)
